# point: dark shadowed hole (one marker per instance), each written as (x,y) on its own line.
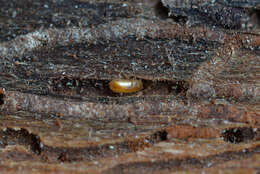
(21,137)
(254,19)
(238,135)
(63,157)
(163,135)
(161,11)
(2,98)
(180,87)
(258,18)
(159,136)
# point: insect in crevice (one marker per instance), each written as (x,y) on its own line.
(125,85)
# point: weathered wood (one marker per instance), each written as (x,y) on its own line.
(198,111)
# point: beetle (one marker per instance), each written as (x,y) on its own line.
(125,85)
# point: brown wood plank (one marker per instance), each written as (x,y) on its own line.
(198,110)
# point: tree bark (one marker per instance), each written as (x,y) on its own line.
(198,110)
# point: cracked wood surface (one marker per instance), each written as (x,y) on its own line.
(198,111)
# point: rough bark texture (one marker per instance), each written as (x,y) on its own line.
(198,111)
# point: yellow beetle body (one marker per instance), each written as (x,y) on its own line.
(125,86)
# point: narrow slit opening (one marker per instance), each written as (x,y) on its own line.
(70,86)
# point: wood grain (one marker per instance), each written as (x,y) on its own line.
(198,111)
